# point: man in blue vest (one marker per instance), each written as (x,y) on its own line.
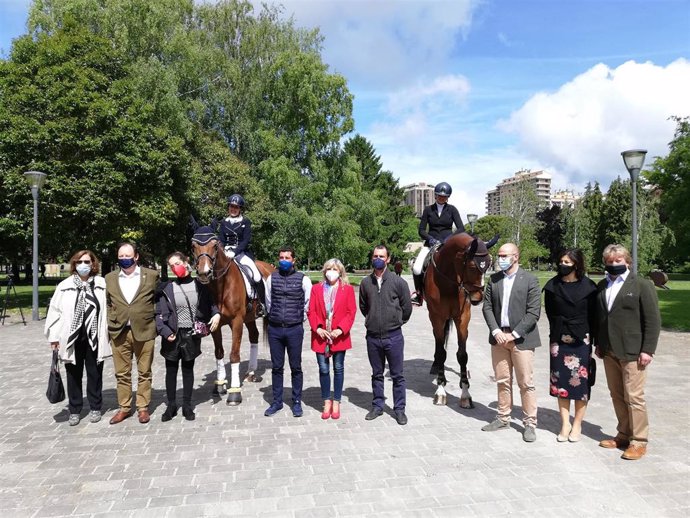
(287,299)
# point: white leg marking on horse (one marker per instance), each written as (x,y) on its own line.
(234,375)
(220,370)
(440,391)
(465,397)
(253,357)
(440,396)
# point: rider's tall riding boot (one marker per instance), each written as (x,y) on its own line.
(418,296)
(260,288)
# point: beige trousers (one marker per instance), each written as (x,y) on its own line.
(124,346)
(522,362)
(626,382)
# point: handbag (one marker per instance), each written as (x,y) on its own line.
(592,374)
(189,344)
(56,390)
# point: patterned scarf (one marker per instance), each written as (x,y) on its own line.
(329,294)
(85,314)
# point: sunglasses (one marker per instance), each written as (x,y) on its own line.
(83,262)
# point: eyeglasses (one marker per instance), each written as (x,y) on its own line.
(505,256)
(83,262)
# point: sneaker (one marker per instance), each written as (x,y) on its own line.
(400,417)
(94,416)
(273,409)
(529,434)
(74,419)
(496,424)
(297,410)
(373,413)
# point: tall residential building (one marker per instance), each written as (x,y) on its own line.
(540,180)
(418,195)
(564,199)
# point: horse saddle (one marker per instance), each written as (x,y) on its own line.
(248,279)
(429,256)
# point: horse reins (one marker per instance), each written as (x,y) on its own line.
(211,258)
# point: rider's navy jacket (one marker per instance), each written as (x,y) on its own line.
(440,227)
(236,235)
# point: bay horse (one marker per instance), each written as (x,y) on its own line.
(225,281)
(455,276)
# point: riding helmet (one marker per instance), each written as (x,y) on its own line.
(236,199)
(443,189)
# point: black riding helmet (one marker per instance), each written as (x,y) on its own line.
(236,199)
(443,189)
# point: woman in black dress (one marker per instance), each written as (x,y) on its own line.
(569,300)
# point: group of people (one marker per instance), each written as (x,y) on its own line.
(619,316)
(91,318)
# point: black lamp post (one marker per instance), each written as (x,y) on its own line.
(634,160)
(36,180)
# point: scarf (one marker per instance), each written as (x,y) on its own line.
(85,314)
(329,295)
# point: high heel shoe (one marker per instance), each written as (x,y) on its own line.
(336,410)
(327,405)
(564,438)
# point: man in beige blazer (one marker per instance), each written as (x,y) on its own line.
(626,335)
(130,298)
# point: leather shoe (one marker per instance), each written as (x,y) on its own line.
(400,417)
(144,416)
(634,452)
(373,413)
(616,442)
(119,417)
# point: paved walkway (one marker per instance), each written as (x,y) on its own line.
(233,461)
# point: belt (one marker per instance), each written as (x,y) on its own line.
(280,324)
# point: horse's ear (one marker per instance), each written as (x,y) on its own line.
(214,225)
(193,225)
(493,241)
(473,247)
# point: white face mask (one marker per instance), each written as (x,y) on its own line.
(83,269)
(332,275)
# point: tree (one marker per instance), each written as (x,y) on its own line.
(551,233)
(671,176)
(521,205)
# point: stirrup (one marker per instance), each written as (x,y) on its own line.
(416,299)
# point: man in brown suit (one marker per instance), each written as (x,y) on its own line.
(626,335)
(130,299)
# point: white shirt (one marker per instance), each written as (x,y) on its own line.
(613,287)
(439,208)
(129,284)
(508,281)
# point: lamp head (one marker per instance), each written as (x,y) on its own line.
(634,160)
(471,218)
(35,179)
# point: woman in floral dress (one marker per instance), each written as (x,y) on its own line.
(569,300)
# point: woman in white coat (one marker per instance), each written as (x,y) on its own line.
(76,325)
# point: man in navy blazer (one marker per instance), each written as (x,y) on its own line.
(626,335)
(512,305)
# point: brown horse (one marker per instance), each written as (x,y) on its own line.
(454,277)
(227,285)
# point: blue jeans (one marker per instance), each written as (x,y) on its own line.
(281,339)
(325,375)
(381,350)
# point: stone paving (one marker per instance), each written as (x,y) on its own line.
(233,461)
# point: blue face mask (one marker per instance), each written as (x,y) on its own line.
(83,269)
(284,265)
(127,262)
(504,263)
(378,263)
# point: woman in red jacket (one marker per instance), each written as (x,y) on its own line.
(332,312)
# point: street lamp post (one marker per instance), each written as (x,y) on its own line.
(634,160)
(36,180)
(471,219)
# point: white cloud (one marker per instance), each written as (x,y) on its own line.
(385,43)
(581,129)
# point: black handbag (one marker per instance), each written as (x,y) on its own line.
(189,344)
(592,374)
(56,390)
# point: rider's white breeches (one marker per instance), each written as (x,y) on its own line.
(419,262)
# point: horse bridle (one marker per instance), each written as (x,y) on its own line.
(212,258)
(461,285)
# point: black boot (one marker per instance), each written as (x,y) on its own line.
(418,296)
(187,412)
(261,296)
(170,412)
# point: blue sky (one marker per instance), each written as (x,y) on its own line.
(470,91)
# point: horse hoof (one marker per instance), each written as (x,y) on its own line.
(234,398)
(466,403)
(219,390)
(440,400)
(253,378)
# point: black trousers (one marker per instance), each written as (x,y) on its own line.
(84,356)
(171,367)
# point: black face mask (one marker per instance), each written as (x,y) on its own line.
(564,269)
(615,269)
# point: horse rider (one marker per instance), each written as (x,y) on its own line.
(439,218)
(235,234)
